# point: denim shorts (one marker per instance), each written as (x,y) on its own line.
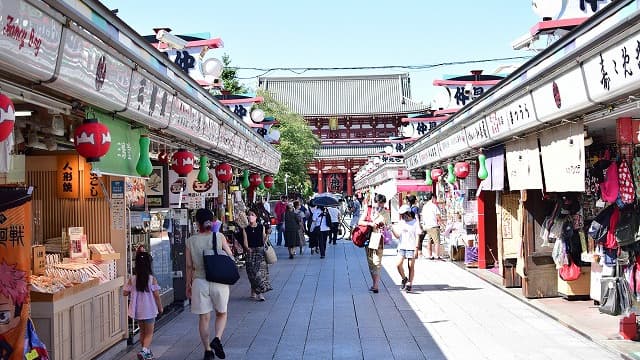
(407,254)
(147,321)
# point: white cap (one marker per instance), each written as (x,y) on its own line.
(404,209)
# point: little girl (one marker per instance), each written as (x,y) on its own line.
(144,301)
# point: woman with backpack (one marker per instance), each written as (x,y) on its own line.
(377,217)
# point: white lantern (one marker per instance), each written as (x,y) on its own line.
(388,149)
(212,69)
(257,115)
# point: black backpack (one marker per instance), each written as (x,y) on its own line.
(327,218)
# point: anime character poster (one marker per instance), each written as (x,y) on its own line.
(15,268)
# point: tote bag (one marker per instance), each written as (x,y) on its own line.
(269,253)
(220,268)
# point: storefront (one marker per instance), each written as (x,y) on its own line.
(81,65)
(548,125)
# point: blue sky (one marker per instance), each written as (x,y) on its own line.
(339,33)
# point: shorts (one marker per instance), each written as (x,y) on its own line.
(147,321)
(374,260)
(434,235)
(407,254)
(207,296)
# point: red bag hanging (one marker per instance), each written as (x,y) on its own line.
(362,233)
(569,272)
(609,188)
(625,183)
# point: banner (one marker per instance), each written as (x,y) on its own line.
(124,150)
(563,158)
(15,269)
(523,164)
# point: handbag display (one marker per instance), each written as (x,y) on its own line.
(270,253)
(615,297)
(219,268)
(569,272)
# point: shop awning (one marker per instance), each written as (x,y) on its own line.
(409,185)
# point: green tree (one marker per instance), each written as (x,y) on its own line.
(230,78)
(298,146)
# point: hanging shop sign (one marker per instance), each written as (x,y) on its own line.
(193,191)
(124,152)
(517,115)
(91,184)
(561,96)
(453,144)
(89,73)
(523,164)
(30,38)
(494,163)
(477,133)
(149,102)
(613,71)
(68,176)
(192,124)
(565,172)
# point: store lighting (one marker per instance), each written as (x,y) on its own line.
(24,113)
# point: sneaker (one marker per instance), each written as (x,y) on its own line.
(148,355)
(216,345)
(141,355)
(404,282)
(208,355)
(408,288)
(260,297)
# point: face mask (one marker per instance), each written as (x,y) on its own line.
(252,218)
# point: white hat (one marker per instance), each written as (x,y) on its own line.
(404,209)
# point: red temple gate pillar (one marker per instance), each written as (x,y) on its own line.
(349,182)
(320,182)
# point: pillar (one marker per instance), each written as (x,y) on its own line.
(320,182)
(482,251)
(349,182)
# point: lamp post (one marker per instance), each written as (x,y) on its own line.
(286,187)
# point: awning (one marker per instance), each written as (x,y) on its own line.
(409,185)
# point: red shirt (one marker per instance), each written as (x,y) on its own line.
(281,207)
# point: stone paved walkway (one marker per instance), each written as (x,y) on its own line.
(321,309)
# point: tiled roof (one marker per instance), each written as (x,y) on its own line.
(344,95)
(331,152)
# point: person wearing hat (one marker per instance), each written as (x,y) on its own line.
(408,231)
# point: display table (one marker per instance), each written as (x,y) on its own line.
(81,324)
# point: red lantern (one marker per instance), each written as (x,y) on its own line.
(92,140)
(436,173)
(461,169)
(255,180)
(7,117)
(224,172)
(182,162)
(268,181)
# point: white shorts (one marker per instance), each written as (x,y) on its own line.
(206,296)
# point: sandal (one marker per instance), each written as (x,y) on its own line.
(404,282)
(408,288)
(375,291)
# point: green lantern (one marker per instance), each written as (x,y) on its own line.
(427,176)
(203,174)
(261,186)
(245,179)
(144,166)
(451,177)
(482,167)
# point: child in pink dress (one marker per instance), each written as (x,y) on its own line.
(144,301)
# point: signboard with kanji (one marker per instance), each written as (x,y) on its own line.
(68,176)
(91,184)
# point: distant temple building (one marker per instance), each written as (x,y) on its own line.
(355,117)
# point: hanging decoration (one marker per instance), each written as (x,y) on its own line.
(436,173)
(224,173)
(255,180)
(268,181)
(482,167)
(92,140)
(144,167)
(462,169)
(245,179)
(203,174)
(7,117)
(261,186)
(182,162)
(451,177)
(427,177)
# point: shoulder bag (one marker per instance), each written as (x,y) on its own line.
(361,233)
(220,268)
(269,253)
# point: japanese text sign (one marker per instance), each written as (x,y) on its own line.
(68,176)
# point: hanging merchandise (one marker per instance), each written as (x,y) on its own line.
(203,174)
(482,167)
(461,169)
(182,162)
(92,139)
(427,177)
(255,180)
(625,183)
(609,188)
(144,167)
(245,179)
(268,181)
(224,173)
(635,167)
(451,177)
(436,173)
(7,117)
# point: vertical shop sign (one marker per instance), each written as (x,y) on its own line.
(117,205)
(15,268)
(68,178)
(91,184)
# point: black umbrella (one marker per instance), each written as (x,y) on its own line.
(325,200)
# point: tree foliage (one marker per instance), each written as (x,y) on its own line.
(230,78)
(298,146)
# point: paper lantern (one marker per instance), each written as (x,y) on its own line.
(144,167)
(203,174)
(482,167)
(224,173)
(427,177)
(245,179)
(268,181)
(92,140)
(7,117)
(255,180)
(436,173)
(182,162)
(451,177)
(461,169)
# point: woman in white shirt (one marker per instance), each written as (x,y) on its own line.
(321,229)
(408,232)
